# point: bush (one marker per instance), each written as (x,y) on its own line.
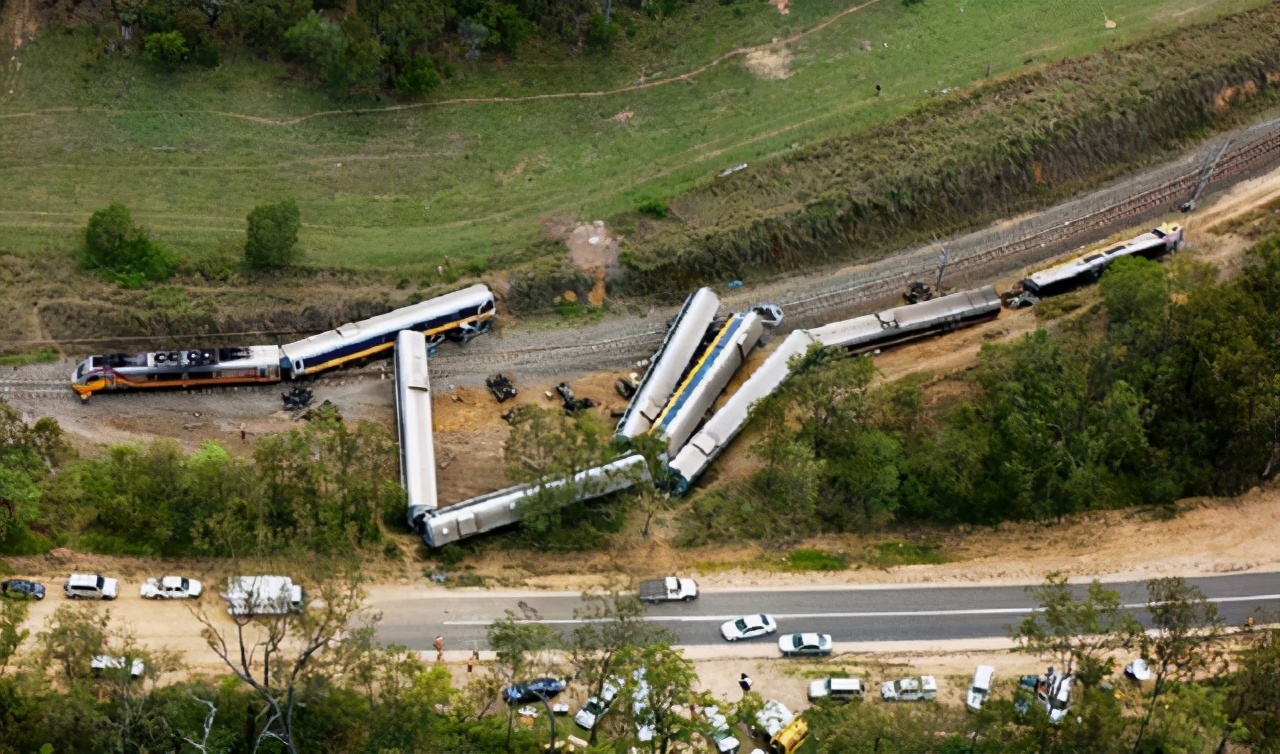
(272,238)
(600,33)
(166,49)
(113,244)
(418,76)
(653,208)
(815,560)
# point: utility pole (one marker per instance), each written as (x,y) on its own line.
(942,267)
(1204,179)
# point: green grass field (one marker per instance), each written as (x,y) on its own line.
(191,153)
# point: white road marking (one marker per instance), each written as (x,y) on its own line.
(876,614)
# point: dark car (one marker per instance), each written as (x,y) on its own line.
(22,589)
(532,691)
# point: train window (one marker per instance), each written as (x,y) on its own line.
(297,366)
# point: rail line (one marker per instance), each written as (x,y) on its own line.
(974,255)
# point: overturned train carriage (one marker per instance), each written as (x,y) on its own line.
(413,424)
(669,362)
(857,335)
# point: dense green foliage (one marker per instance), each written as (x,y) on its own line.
(392,44)
(123,250)
(271,240)
(322,488)
(1169,388)
(1005,147)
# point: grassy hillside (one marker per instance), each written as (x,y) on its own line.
(192,152)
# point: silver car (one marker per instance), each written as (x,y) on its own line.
(804,645)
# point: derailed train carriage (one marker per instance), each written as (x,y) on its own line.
(1088,269)
(459,316)
(857,335)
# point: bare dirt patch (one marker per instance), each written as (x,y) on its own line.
(772,63)
(781,5)
(595,250)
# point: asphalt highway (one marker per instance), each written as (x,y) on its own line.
(848,613)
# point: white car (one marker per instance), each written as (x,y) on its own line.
(721,735)
(748,627)
(645,727)
(171,588)
(923,688)
(102,663)
(980,689)
(804,645)
(598,705)
(1138,670)
(1059,701)
(839,689)
(91,586)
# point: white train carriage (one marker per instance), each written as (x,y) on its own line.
(460,316)
(1087,269)
(502,508)
(708,378)
(413,424)
(857,335)
(189,367)
(669,362)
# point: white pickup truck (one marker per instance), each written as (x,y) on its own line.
(669,589)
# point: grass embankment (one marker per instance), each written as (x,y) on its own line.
(1016,144)
(192,152)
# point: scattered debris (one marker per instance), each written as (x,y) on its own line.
(772,314)
(734,285)
(622,117)
(732,170)
(571,403)
(627,386)
(297,399)
(918,291)
(501,388)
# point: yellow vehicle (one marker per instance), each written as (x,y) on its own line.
(789,739)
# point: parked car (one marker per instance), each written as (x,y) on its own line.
(21,589)
(103,663)
(537,690)
(1058,700)
(772,718)
(1138,670)
(804,645)
(980,689)
(596,706)
(643,716)
(721,734)
(91,586)
(840,689)
(924,688)
(262,595)
(748,627)
(171,588)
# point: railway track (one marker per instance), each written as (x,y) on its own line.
(977,255)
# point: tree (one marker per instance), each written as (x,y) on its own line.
(13,613)
(272,238)
(659,685)
(1253,696)
(611,625)
(1077,634)
(166,49)
(287,659)
(114,244)
(1183,640)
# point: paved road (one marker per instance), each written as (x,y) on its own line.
(849,614)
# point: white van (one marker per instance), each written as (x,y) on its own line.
(91,586)
(839,689)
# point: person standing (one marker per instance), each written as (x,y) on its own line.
(744,683)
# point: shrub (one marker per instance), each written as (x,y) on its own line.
(600,33)
(815,560)
(166,49)
(653,208)
(418,76)
(113,244)
(272,238)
